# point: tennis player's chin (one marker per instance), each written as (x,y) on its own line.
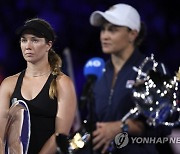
(30,59)
(106,51)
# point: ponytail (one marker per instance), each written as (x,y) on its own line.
(55,64)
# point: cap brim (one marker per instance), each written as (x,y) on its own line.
(97,18)
(21,29)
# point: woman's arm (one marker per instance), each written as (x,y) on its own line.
(4,108)
(67,103)
(6,89)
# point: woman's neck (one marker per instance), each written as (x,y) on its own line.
(35,71)
(37,74)
(119,59)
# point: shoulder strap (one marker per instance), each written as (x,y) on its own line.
(18,84)
(19,81)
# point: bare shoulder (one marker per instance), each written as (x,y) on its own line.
(65,89)
(9,82)
(64,80)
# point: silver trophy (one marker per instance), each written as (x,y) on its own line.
(155,95)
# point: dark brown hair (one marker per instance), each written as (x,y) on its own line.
(142,33)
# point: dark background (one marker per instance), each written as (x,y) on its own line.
(70,19)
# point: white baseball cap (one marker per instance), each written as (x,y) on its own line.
(120,15)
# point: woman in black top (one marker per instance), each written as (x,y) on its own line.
(48,93)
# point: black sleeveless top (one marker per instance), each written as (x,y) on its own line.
(42,110)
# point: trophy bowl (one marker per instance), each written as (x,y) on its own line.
(155,97)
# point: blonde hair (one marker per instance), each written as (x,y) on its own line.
(55,64)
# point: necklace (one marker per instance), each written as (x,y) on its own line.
(43,74)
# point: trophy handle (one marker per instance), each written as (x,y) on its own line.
(141,75)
